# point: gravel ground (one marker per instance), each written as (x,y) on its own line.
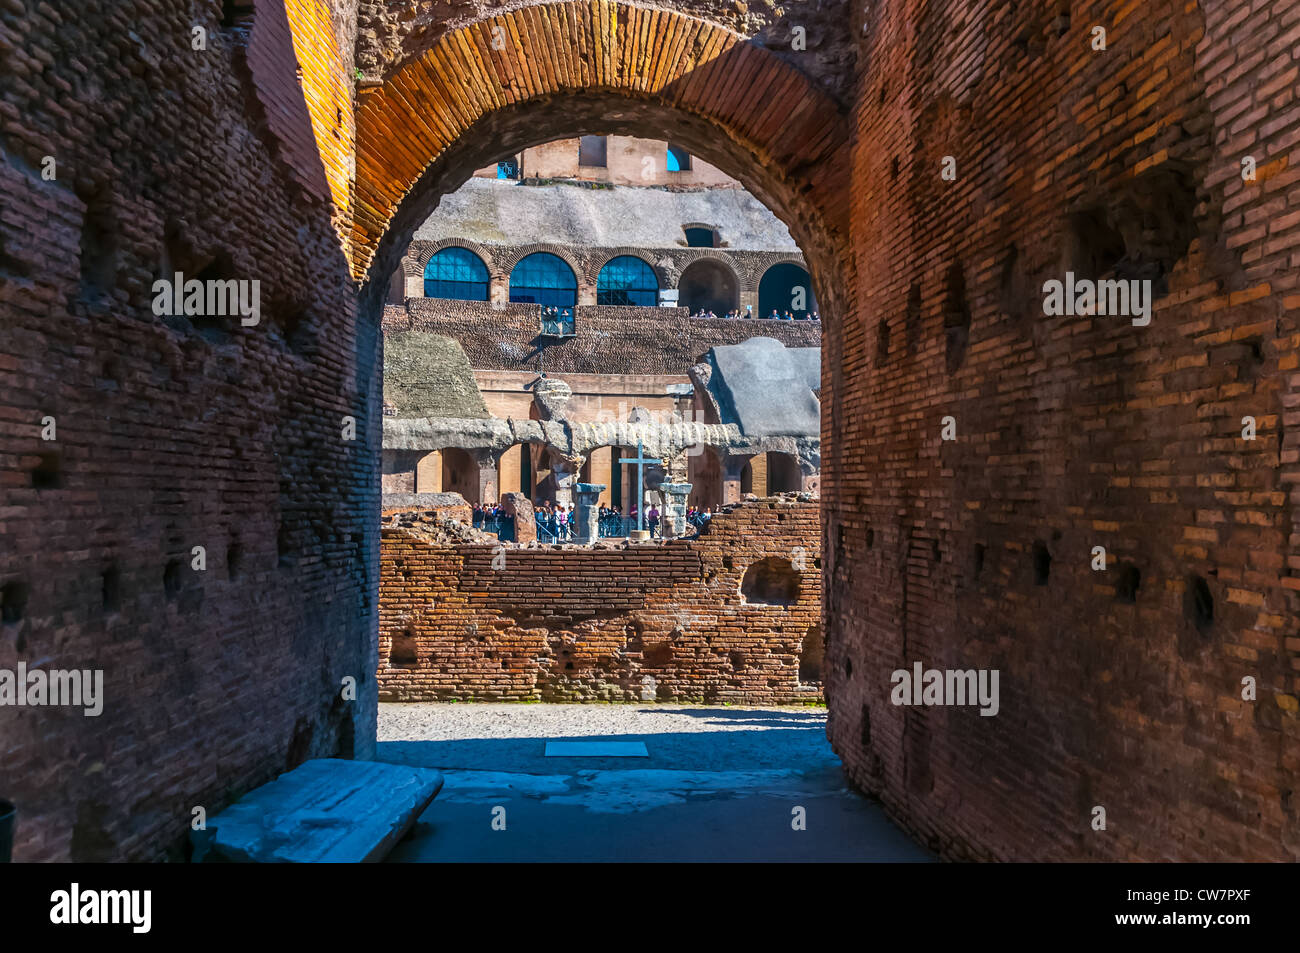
(719,784)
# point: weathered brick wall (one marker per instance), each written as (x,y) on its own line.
(173,433)
(1117,691)
(658,621)
(606,341)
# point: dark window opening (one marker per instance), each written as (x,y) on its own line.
(592,151)
(13,601)
(48,472)
(701,238)
(1042,563)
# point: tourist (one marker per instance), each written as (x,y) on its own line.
(749,310)
(787,316)
(561,522)
(815,317)
(774,316)
(652,520)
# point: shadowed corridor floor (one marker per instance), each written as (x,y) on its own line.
(719,784)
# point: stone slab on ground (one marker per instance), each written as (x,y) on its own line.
(326,810)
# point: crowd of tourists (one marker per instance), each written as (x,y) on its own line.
(736,314)
(699,518)
(492,518)
(556,521)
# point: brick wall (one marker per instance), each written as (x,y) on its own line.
(661,621)
(1072,432)
(607,340)
(172,433)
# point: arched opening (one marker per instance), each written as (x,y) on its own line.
(708,285)
(545,279)
(627,280)
(515,469)
(786,288)
(456,273)
(753,476)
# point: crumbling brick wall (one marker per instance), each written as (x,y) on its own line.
(173,433)
(1121,689)
(721,617)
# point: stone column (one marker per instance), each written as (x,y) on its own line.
(587,529)
(673,518)
(520,508)
(565,471)
(488,484)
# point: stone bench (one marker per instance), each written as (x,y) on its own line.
(323,811)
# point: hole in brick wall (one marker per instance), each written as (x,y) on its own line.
(871,537)
(402,652)
(771,581)
(817,563)
(1156,216)
(882,342)
(13,601)
(1094,247)
(48,472)
(1061,23)
(1014,287)
(884,93)
(727,562)
(913,321)
(1126,587)
(99,246)
(934,550)
(284,548)
(956,317)
(812,656)
(234,561)
(848,668)
(895,167)
(237,15)
(977,559)
(213,327)
(1042,562)
(111,588)
(738,660)
(1199,603)
(864,727)
(172,579)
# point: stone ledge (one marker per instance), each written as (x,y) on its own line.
(326,810)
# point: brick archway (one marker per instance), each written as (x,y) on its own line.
(568,68)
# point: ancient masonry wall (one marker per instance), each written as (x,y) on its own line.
(667,621)
(173,433)
(607,340)
(1120,689)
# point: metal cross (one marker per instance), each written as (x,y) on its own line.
(640,461)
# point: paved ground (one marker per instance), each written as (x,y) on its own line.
(720,784)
